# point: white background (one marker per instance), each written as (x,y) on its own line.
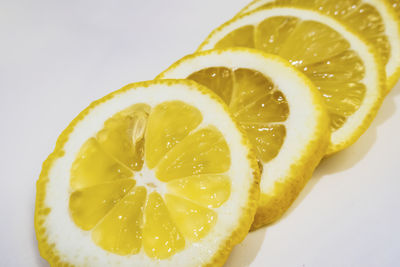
(58,56)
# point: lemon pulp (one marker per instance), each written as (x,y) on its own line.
(396,6)
(315,49)
(259,106)
(150,178)
(362,16)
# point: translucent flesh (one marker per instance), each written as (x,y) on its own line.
(209,190)
(193,220)
(254,101)
(161,237)
(169,123)
(90,204)
(120,230)
(396,5)
(122,135)
(321,53)
(202,152)
(94,166)
(267,139)
(363,18)
(121,217)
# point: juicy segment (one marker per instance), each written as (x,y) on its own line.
(202,152)
(396,5)
(120,230)
(168,124)
(363,17)
(124,218)
(161,237)
(260,108)
(209,190)
(91,204)
(122,135)
(94,166)
(316,50)
(192,219)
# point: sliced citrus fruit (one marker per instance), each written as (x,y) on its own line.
(279,108)
(344,67)
(373,19)
(157,173)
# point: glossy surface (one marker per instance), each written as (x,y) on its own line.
(362,16)
(253,100)
(122,135)
(161,237)
(168,124)
(205,151)
(120,230)
(319,52)
(396,5)
(123,218)
(91,204)
(209,190)
(94,166)
(193,220)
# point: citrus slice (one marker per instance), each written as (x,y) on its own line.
(157,173)
(279,108)
(345,69)
(373,19)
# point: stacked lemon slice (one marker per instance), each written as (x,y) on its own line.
(156,173)
(169,172)
(344,67)
(271,108)
(375,20)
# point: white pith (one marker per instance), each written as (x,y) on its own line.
(392,30)
(76,247)
(304,113)
(371,80)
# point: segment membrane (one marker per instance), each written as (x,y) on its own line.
(316,50)
(204,151)
(89,205)
(193,220)
(254,102)
(267,139)
(218,79)
(122,135)
(104,198)
(161,237)
(209,190)
(169,123)
(120,230)
(94,166)
(362,17)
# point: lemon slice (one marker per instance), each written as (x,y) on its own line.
(279,108)
(344,68)
(373,19)
(156,173)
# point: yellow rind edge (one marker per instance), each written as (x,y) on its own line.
(272,206)
(394,78)
(333,148)
(47,250)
